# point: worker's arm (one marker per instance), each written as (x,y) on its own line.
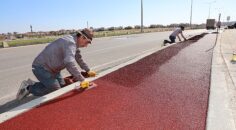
(73,70)
(83,65)
(70,62)
(183,36)
(71,67)
(178,37)
(80,61)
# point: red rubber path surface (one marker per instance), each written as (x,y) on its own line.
(166,90)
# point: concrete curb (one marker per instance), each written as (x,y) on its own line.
(219,115)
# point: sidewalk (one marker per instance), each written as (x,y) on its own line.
(222,102)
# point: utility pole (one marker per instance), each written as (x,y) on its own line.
(87,25)
(31,28)
(218,23)
(141,16)
(209,13)
(191,12)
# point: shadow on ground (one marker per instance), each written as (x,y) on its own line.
(15,103)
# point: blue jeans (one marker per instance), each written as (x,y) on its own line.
(48,82)
(172,39)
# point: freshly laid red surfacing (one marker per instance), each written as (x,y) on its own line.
(166,90)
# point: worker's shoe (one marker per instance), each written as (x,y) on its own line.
(23,91)
(164,43)
(30,81)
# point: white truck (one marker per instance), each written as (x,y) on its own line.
(210,24)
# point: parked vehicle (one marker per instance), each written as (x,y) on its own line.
(232,26)
(210,24)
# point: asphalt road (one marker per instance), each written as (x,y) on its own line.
(15,64)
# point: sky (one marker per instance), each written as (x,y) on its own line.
(53,15)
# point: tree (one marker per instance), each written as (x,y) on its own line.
(137,26)
(128,27)
(111,29)
(99,29)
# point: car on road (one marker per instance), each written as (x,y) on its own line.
(232,26)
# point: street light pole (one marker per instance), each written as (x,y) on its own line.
(141,16)
(209,11)
(219,23)
(191,12)
(210,8)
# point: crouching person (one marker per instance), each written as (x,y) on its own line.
(58,55)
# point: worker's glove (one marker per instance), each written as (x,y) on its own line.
(84,84)
(91,74)
(88,74)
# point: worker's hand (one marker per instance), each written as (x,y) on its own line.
(91,73)
(85,74)
(69,80)
(84,84)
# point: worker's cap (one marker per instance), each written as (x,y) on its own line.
(88,33)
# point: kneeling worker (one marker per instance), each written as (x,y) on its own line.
(173,35)
(58,55)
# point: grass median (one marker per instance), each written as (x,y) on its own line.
(24,42)
(34,41)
